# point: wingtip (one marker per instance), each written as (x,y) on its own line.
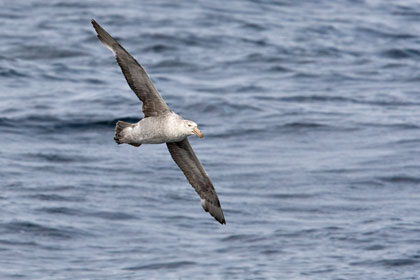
(95,25)
(221,221)
(105,38)
(215,211)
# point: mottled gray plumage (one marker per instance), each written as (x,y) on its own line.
(183,154)
(161,125)
(136,76)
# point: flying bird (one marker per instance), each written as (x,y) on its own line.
(161,125)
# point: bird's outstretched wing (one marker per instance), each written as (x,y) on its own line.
(136,76)
(184,156)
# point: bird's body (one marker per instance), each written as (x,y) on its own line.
(161,125)
(153,130)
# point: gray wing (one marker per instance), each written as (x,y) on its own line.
(185,158)
(136,76)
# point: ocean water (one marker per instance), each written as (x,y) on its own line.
(311,118)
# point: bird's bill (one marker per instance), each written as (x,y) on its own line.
(197,132)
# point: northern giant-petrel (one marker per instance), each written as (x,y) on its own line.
(161,125)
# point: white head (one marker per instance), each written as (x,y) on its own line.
(192,128)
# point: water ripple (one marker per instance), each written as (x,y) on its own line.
(310,111)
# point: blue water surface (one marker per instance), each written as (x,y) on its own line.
(311,117)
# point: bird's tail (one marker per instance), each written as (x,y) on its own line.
(120,133)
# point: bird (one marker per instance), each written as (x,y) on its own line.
(161,125)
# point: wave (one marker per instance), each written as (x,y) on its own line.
(401,179)
(374,32)
(162,265)
(342,99)
(45,52)
(12,73)
(51,123)
(261,132)
(392,263)
(36,229)
(106,215)
(405,53)
(55,197)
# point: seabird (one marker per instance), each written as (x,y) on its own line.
(161,125)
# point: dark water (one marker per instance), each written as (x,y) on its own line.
(311,117)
